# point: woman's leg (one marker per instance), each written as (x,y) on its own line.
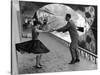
(38,59)
(40,56)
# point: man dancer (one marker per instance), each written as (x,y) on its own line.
(74,38)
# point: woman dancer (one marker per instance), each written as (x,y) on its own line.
(34,46)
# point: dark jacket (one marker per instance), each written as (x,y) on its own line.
(71,27)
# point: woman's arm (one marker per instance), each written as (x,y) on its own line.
(37,30)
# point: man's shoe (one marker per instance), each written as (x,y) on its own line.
(72,62)
(77,60)
(38,66)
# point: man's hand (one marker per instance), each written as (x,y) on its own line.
(51,30)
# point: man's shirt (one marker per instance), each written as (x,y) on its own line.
(71,27)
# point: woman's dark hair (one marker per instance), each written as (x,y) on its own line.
(36,19)
(35,16)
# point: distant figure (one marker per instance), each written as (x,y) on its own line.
(71,27)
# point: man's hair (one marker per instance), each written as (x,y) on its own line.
(68,15)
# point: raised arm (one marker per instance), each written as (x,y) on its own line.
(64,29)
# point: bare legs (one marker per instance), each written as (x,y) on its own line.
(38,60)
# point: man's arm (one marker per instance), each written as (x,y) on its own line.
(64,29)
(60,30)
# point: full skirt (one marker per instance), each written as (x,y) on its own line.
(32,46)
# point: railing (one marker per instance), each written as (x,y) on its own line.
(83,52)
(87,54)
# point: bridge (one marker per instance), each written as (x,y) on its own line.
(58,58)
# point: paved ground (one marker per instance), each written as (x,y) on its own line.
(55,61)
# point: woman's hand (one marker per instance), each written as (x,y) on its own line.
(36,28)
